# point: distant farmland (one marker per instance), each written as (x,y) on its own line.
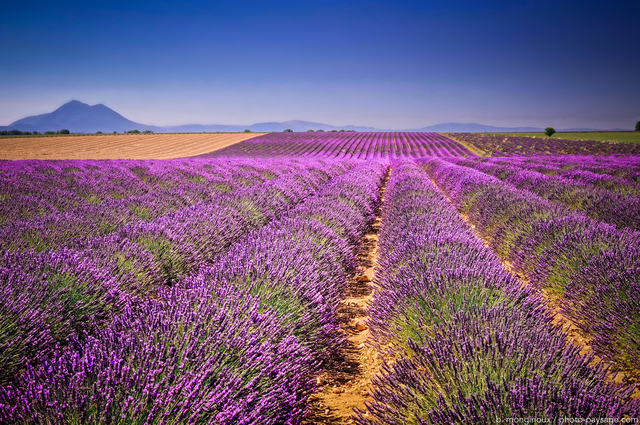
(496,144)
(603,136)
(334,278)
(154,146)
(366,145)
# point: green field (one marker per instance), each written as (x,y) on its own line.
(604,136)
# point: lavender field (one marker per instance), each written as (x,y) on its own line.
(342,145)
(278,279)
(522,145)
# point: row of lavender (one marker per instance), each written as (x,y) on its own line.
(468,343)
(49,203)
(65,291)
(620,174)
(347,145)
(590,267)
(32,188)
(236,342)
(500,145)
(598,203)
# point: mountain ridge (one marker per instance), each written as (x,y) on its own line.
(80,117)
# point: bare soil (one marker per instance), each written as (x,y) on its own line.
(345,382)
(472,148)
(117,146)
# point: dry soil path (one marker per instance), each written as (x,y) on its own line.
(345,382)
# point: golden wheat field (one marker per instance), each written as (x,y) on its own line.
(119,146)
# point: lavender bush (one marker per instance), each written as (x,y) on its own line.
(500,145)
(236,342)
(468,343)
(575,168)
(301,262)
(387,146)
(206,290)
(47,205)
(557,250)
(46,299)
(189,356)
(63,299)
(599,204)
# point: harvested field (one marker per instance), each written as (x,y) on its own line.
(120,146)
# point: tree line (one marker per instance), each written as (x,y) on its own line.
(63,131)
(31,133)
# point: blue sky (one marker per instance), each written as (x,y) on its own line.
(388,64)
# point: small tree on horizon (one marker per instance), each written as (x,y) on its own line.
(64,131)
(549,131)
(638,126)
(288,130)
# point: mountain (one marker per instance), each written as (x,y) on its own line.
(78,117)
(454,127)
(580,129)
(295,125)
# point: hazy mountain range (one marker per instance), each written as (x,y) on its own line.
(79,117)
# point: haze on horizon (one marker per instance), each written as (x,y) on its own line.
(384,64)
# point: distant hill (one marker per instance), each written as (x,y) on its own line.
(79,117)
(265,127)
(454,127)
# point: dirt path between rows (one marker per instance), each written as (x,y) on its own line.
(469,146)
(345,382)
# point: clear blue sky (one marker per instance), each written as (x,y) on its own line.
(389,64)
